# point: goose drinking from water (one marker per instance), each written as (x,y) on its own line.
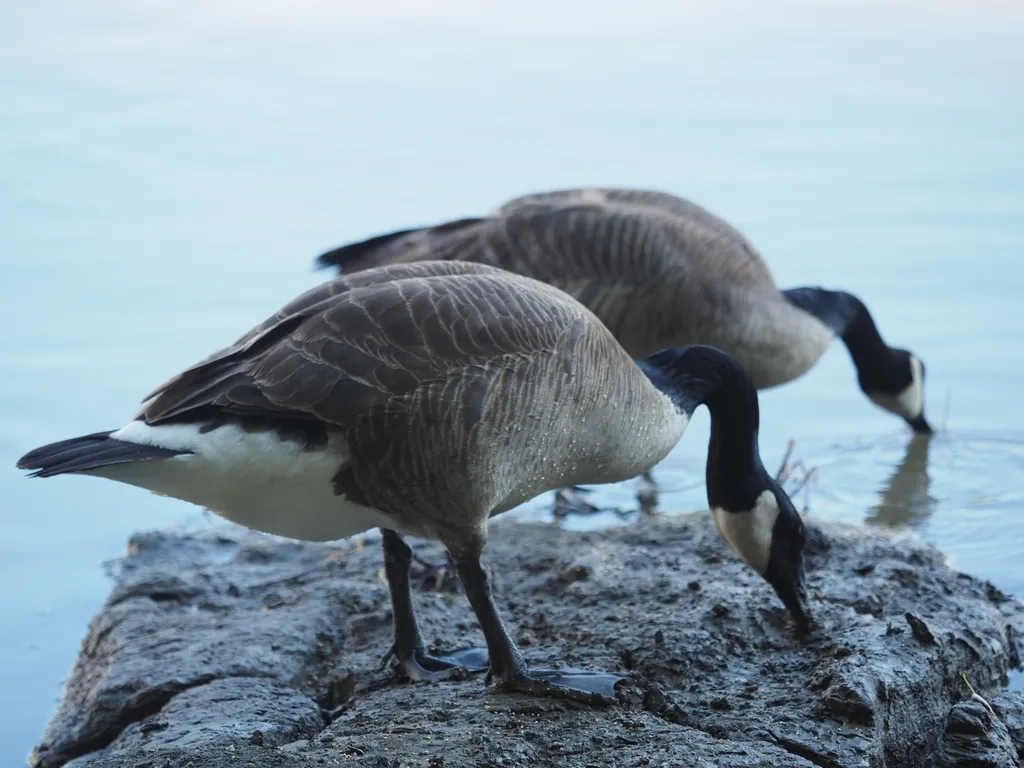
(424,399)
(661,272)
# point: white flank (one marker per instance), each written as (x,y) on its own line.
(254,479)
(749,533)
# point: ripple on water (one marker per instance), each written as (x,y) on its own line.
(958,489)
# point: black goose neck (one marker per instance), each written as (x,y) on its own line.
(701,375)
(849,319)
(865,343)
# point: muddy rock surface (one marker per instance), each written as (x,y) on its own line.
(1009,707)
(225,648)
(976,737)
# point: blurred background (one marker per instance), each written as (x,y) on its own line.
(169,171)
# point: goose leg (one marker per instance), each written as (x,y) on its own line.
(647,496)
(507,664)
(408,648)
(568,501)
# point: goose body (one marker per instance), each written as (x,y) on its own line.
(661,272)
(423,399)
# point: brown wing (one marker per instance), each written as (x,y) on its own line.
(365,278)
(304,306)
(730,243)
(368,341)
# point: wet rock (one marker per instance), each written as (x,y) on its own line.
(245,756)
(869,604)
(232,711)
(850,697)
(919,629)
(575,572)
(976,737)
(227,648)
(1009,706)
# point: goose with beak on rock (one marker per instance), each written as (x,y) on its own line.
(422,400)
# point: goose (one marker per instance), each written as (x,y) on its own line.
(662,272)
(422,400)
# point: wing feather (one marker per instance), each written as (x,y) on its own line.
(371,340)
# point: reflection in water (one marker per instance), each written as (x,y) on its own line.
(904,498)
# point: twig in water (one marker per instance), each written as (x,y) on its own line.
(803,481)
(797,473)
(782,473)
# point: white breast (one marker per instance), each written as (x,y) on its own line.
(255,479)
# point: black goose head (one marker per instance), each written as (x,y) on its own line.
(750,509)
(767,533)
(892,378)
(895,382)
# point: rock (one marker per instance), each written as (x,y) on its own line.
(1009,706)
(975,737)
(222,647)
(231,711)
(244,756)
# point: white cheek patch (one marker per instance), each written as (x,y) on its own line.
(910,402)
(749,533)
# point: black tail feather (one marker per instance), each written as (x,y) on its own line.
(80,454)
(377,251)
(346,254)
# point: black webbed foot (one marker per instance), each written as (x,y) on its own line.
(419,665)
(575,684)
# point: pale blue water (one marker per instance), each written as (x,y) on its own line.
(168,173)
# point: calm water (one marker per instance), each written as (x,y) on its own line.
(167,175)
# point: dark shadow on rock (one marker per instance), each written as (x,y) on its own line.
(221,645)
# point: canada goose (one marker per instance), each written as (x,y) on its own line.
(423,399)
(661,272)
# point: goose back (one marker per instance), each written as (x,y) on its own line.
(651,199)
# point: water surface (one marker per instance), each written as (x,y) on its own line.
(168,173)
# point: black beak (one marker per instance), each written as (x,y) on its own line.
(920,426)
(788,579)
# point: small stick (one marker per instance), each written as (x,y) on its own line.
(779,476)
(975,695)
(970,687)
(803,481)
